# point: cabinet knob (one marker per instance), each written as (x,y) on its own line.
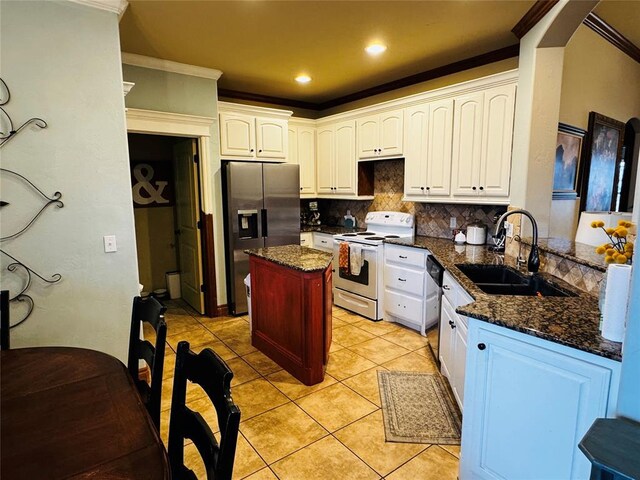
(402,256)
(260,151)
(300,188)
(421,188)
(473,188)
(452,324)
(481,188)
(446,287)
(428,188)
(251,150)
(481,346)
(402,279)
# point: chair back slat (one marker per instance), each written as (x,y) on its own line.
(5,325)
(211,373)
(151,311)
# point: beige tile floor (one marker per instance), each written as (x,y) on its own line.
(332,430)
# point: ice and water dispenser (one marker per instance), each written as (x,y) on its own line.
(247,224)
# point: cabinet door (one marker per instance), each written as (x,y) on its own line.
(345,158)
(307,159)
(416,132)
(467,142)
(527,408)
(390,133)
(271,138)
(459,360)
(323,241)
(495,165)
(438,177)
(237,135)
(325,160)
(292,156)
(446,346)
(368,137)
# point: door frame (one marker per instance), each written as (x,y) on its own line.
(153,122)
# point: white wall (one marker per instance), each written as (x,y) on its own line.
(62,62)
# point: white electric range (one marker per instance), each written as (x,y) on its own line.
(364,293)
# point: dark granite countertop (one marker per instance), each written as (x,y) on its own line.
(297,257)
(570,321)
(330,230)
(578,252)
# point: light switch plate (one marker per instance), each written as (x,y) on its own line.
(453,223)
(110,244)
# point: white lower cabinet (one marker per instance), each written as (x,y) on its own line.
(306,239)
(405,270)
(452,348)
(528,402)
(323,241)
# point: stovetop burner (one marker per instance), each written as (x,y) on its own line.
(348,234)
(374,238)
(391,236)
(364,234)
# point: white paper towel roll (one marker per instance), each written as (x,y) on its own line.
(616,298)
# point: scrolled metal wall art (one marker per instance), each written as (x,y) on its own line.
(16,266)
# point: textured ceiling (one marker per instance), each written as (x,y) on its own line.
(260,46)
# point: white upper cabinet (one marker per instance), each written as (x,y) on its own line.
(427,145)
(253,133)
(482,139)
(237,135)
(380,135)
(271,138)
(336,159)
(302,151)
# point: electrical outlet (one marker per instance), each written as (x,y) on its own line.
(110,244)
(453,223)
(508,227)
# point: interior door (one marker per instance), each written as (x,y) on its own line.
(187,216)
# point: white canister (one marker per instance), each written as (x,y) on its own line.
(476,233)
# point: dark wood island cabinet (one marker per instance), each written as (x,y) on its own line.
(291,308)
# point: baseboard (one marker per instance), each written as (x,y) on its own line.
(222,310)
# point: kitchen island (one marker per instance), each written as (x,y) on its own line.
(291,308)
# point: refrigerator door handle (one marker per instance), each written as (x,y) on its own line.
(263,214)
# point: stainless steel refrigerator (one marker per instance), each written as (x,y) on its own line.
(262,209)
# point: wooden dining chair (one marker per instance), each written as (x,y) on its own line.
(209,371)
(151,311)
(5,342)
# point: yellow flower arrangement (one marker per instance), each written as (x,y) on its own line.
(618,249)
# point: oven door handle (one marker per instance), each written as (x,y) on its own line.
(364,247)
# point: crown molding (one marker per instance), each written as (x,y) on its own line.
(253,110)
(114,6)
(168,66)
(256,97)
(537,11)
(612,36)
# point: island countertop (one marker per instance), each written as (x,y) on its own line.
(570,321)
(300,258)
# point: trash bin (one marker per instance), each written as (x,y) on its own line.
(173,284)
(247,287)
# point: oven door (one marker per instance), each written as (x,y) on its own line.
(364,284)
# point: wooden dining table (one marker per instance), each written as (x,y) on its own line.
(74,413)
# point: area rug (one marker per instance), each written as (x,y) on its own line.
(418,408)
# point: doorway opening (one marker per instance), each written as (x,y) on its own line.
(166,188)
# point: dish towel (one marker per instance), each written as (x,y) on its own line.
(355,257)
(343,257)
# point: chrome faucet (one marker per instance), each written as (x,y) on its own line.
(533,262)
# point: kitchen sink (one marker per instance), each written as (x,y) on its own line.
(502,280)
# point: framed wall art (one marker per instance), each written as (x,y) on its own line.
(603,152)
(568,162)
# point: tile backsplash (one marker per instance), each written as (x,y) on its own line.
(432,219)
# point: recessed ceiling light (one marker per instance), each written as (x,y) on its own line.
(303,79)
(375,49)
